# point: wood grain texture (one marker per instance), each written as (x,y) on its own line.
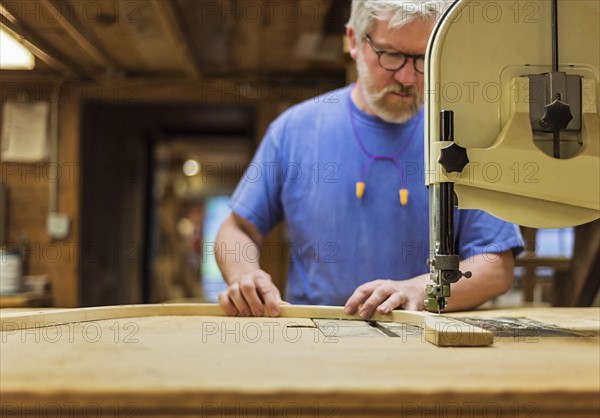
(229,366)
(440,330)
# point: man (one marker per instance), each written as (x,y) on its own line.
(337,164)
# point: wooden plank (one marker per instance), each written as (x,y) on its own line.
(230,366)
(439,330)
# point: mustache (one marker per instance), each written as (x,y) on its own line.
(400,88)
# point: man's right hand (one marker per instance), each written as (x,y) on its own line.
(249,294)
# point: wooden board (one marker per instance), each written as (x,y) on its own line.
(226,366)
(441,330)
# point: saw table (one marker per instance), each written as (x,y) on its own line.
(543,362)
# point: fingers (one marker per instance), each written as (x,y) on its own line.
(408,298)
(269,294)
(226,304)
(250,295)
(361,293)
(414,303)
(380,294)
(395,300)
(237,298)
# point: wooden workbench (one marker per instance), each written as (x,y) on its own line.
(544,362)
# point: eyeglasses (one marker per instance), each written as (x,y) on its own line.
(394,61)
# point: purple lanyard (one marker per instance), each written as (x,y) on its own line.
(374,157)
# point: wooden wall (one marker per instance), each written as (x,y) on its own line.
(29,184)
(29,190)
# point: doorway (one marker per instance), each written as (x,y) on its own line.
(193,179)
(124,149)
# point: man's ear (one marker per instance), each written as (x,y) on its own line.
(352,45)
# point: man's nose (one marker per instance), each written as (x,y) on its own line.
(407,74)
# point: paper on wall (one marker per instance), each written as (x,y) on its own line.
(25,131)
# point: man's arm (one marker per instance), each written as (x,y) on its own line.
(237,250)
(493,275)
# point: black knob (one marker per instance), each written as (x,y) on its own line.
(557,115)
(453,158)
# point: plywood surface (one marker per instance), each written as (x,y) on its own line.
(169,365)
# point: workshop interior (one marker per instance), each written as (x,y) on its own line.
(126,126)
(133,125)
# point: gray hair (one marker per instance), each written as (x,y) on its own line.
(395,12)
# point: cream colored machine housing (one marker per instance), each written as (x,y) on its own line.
(480,56)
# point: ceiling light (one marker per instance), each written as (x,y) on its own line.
(13,55)
(191,168)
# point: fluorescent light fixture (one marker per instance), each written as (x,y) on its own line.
(13,55)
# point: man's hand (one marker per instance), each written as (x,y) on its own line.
(385,295)
(249,294)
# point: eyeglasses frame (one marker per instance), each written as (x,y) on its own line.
(380,53)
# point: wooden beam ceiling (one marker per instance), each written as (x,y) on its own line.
(170,19)
(70,23)
(36,45)
(181,39)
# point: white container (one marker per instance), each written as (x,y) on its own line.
(10,272)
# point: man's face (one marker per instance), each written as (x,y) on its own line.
(394,96)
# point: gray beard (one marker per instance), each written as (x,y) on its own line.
(376,99)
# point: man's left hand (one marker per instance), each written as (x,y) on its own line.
(385,295)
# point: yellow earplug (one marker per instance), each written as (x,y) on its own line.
(403,197)
(360,189)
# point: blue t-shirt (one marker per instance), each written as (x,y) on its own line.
(305,171)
